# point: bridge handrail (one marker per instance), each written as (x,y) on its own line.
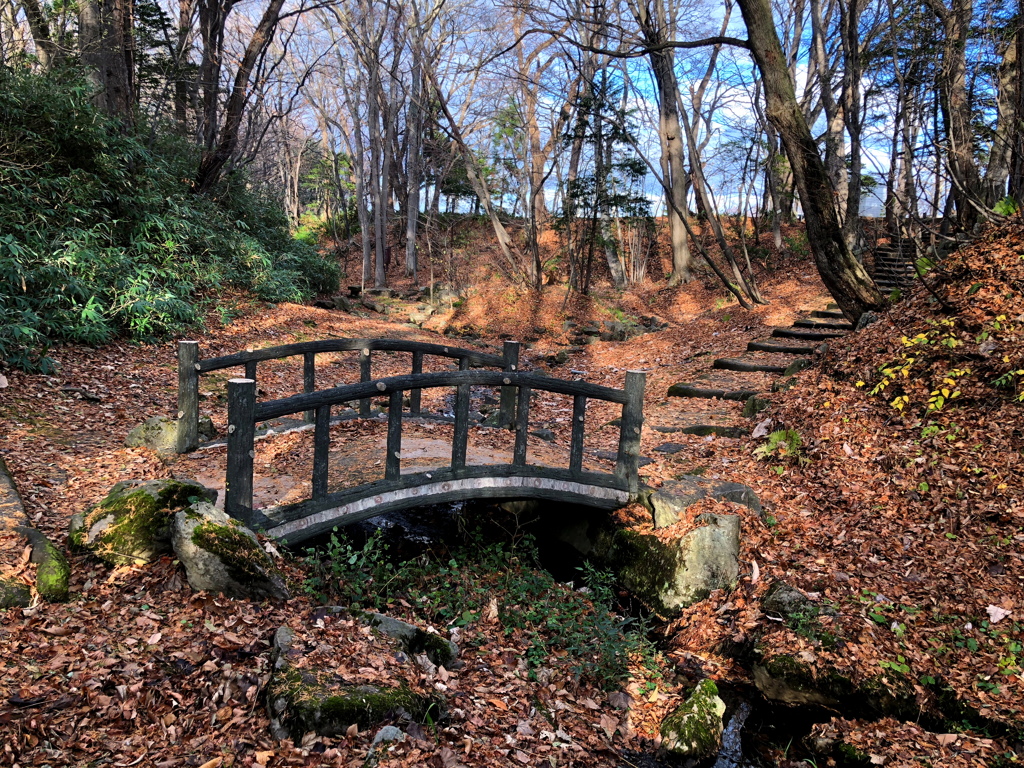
(191,367)
(244,412)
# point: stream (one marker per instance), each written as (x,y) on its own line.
(753,725)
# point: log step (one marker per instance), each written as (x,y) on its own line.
(780,347)
(746,366)
(703,430)
(806,334)
(828,314)
(688,390)
(843,326)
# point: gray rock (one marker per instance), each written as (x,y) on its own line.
(866,319)
(694,730)
(754,406)
(670,575)
(785,602)
(416,641)
(796,366)
(222,555)
(14,594)
(544,434)
(158,433)
(389,733)
(670,448)
(669,501)
(132,525)
(343,303)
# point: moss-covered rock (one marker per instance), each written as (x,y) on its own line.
(754,405)
(670,575)
(304,701)
(157,433)
(437,649)
(668,502)
(787,680)
(222,555)
(694,730)
(14,594)
(132,525)
(53,573)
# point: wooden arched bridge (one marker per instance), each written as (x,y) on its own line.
(324,509)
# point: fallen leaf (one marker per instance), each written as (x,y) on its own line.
(997,614)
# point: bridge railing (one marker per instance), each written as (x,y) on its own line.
(244,412)
(191,366)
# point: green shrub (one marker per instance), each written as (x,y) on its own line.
(102,235)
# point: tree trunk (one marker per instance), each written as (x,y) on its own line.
(842,274)
(213,162)
(46,50)
(107,50)
(1008,125)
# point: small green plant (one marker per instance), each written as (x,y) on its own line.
(900,665)
(783,444)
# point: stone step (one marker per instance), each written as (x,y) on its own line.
(806,334)
(746,366)
(782,348)
(828,314)
(824,326)
(688,390)
(831,305)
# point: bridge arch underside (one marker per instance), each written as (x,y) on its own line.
(297,523)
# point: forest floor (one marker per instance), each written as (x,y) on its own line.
(907,522)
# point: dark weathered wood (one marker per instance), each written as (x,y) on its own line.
(393,464)
(296,403)
(460,438)
(188,396)
(528,488)
(321,450)
(365,373)
(476,359)
(522,425)
(309,377)
(507,401)
(463,364)
(627,465)
(414,395)
(579,416)
(241,434)
(250,370)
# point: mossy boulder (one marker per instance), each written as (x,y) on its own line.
(668,502)
(672,574)
(301,701)
(132,525)
(160,434)
(14,594)
(222,555)
(754,405)
(694,730)
(53,573)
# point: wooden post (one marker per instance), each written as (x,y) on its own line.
(250,369)
(308,378)
(507,406)
(522,423)
(188,396)
(241,437)
(579,413)
(364,375)
(414,394)
(321,450)
(460,439)
(393,462)
(627,464)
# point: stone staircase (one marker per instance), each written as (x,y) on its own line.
(893,266)
(736,380)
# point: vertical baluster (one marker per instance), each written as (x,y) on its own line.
(188,396)
(460,439)
(308,378)
(393,464)
(463,363)
(364,375)
(507,407)
(321,450)
(522,423)
(579,411)
(414,394)
(627,464)
(241,451)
